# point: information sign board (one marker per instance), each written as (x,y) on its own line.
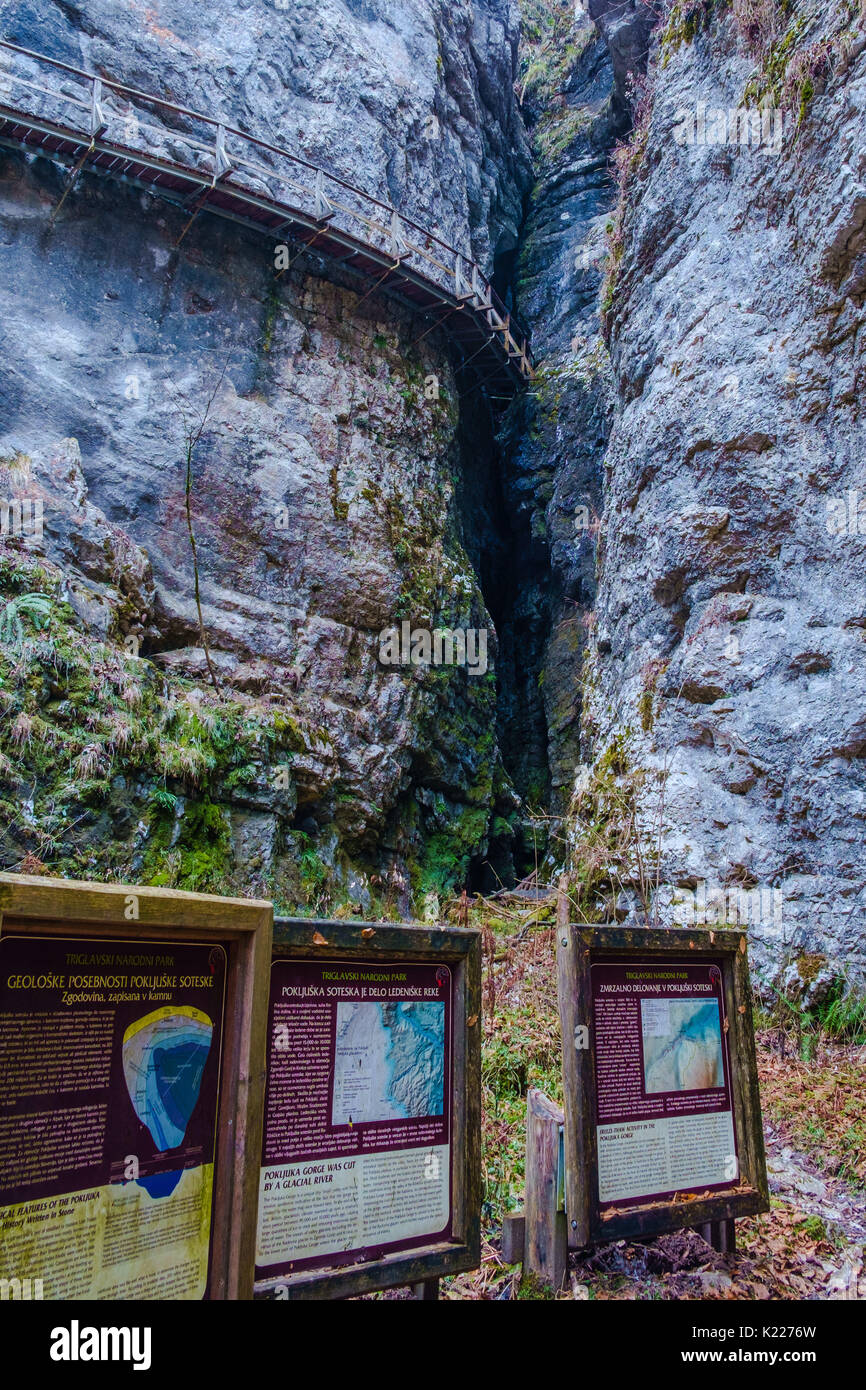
(129,1034)
(371,1154)
(662,1111)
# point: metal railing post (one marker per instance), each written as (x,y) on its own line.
(222,164)
(98,123)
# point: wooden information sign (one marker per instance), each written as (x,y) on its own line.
(662,1110)
(371,1156)
(132,1044)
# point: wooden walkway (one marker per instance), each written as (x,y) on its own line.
(100,125)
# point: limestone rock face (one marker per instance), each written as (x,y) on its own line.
(327,474)
(109,581)
(412,102)
(555,469)
(626,27)
(730,614)
(694,478)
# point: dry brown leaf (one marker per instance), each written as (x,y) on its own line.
(367,933)
(472,1021)
(319,940)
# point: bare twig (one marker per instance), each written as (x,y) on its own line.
(193,431)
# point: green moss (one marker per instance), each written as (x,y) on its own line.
(768,84)
(687,19)
(652,674)
(645,710)
(448,854)
(287,731)
(557,131)
(553,40)
(538,787)
(339,508)
(809,966)
(613,841)
(414,546)
(792,72)
(314,872)
(78,715)
(269,318)
(194,854)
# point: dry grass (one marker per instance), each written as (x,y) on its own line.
(760,22)
(818,1106)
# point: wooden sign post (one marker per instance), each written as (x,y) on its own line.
(662,1110)
(371,1159)
(132,1045)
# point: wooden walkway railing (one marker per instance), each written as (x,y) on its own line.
(203,165)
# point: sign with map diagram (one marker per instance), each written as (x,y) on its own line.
(665,1117)
(662,1110)
(356,1156)
(362,1105)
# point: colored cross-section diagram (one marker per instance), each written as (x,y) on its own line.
(164,1056)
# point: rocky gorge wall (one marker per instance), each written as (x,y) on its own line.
(663,534)
(690,458)
(725,679)
(338,486)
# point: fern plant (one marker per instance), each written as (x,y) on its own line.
(36,607)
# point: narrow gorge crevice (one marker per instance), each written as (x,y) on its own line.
(544,454)
(515,577)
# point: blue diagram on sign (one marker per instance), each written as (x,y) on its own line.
(164,1056)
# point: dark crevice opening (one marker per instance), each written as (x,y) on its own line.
(517,582)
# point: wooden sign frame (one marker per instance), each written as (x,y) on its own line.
(305,939)
(577,948)
(41,907)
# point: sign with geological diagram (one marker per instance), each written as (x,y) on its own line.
(109,1076)
(662,1108)
(364,1151)
(114,1087)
